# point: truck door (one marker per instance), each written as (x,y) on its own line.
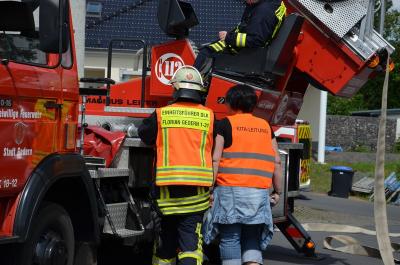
(70,96)
(30,90)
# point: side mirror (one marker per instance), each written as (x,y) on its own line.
(49,21)
(16,16)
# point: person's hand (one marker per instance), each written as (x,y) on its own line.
(211,200)
(274,198)
(222,35)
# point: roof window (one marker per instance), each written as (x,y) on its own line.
(93,9)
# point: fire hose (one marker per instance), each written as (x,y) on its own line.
(381,225)
(349,244)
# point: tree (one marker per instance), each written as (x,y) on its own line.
(344,106)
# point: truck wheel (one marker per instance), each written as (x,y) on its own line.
(51,239)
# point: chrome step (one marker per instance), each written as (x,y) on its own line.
(118,213)
(129,110)
(94,162)
(134,142)
(93,174)
(124,233)
(109,173)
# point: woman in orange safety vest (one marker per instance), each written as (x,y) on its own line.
(246,164)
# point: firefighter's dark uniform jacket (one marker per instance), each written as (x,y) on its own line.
(258,26)
(260,23)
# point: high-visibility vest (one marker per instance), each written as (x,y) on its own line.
(250,160)
(184,143)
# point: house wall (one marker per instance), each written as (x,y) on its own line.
(122,62)
(78,8)
(310,110)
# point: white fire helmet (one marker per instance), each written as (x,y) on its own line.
(187,77)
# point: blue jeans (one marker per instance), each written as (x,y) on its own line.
(240,243)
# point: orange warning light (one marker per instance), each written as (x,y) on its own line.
(374,61)
(310,244)
(391,66)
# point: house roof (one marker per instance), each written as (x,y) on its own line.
(138,19)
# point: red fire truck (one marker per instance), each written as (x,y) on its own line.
(63,190)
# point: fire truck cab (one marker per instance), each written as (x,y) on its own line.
(47,197)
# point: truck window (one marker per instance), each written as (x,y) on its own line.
(67,60)
(22,49)
(19,37)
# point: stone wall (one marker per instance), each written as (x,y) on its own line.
(352,133)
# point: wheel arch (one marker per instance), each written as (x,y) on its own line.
(65,180)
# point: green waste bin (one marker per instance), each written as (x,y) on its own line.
(342,180)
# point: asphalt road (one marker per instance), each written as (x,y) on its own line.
(280,252)
(312,208)
(321,208)
(357,208)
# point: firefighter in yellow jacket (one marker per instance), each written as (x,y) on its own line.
(183,135)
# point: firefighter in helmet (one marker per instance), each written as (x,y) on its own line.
(183,136)
(260,22)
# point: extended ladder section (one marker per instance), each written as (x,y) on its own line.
(338,41)
(351,21)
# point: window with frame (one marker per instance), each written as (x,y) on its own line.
(94,72)
(93,9)
(19,36)
(67,58)
(128,74)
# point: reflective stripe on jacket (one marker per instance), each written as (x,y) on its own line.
(182,205)
(218,46)
(249,161)
(184,143)
(280,14)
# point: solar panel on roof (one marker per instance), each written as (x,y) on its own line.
(138,19)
